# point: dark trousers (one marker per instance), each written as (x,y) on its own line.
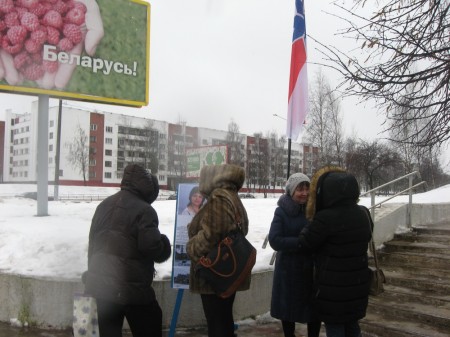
(144,320)
(219,315)
(289,328)
(350,329)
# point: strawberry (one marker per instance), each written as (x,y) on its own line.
(16,34)
(9,47)
(50,66)
(32,46)
(30,21)
(75,16)
(12,19)
(27,3)
(21,59)
(6,6)
(60,7)
(39,10)
(53,35)
(80,5)
(39,35)
(36,57)
(33,72)
(65,44)
(53,19)
(73,33)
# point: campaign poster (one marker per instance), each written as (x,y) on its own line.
(189,200)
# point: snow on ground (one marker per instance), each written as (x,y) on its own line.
(56,245)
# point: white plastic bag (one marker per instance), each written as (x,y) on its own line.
(85,321)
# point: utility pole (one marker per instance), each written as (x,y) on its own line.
(58,153)
(289,151)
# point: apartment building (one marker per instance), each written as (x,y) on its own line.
(2,148)
(94,148)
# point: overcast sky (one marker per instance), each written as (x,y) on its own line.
(213,61)
(228,59)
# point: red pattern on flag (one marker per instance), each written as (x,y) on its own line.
(298,82)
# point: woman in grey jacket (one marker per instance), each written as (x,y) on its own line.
(293,274)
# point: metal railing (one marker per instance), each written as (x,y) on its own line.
(82,197)
(372,193)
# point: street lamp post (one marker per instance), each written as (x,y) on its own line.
(289,150)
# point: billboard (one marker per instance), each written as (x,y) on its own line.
(84,50)
(198,157)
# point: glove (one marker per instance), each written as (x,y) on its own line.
(166,251)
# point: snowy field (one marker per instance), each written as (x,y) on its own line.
(56,245)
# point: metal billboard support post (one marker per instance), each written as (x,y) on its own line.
(42,156)
(58,153)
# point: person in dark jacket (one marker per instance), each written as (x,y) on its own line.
(293,273)
(220,185)
(124,244)
(339,233)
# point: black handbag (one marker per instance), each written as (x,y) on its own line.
(377,278)
(229,264)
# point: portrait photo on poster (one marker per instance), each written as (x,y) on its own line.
(189,201)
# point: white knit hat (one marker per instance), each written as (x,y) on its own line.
(294,180)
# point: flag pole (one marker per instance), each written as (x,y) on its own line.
(289,159)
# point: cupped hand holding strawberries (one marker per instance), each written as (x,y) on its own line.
(27,25)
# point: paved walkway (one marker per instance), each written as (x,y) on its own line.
(271,329)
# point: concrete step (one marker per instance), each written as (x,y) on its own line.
(379,325)
(442,228)
(437,317)
(409,277)
(431,247)
(415,259)
(416,301)
(404,294)
(416,237)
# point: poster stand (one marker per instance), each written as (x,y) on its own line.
(186,193)
(176,311)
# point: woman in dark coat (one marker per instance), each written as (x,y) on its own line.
(293,274)
(339,234)
(124,243)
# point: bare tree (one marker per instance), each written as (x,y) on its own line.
(149,147)
(337,132)
(235,146)
(324,128)
(405,66)
(317,127)
(374,163)
(257,163)
(276,158)
(78,155)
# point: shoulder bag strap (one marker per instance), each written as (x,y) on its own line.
(372,244)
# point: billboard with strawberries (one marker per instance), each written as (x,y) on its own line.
(91,50)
